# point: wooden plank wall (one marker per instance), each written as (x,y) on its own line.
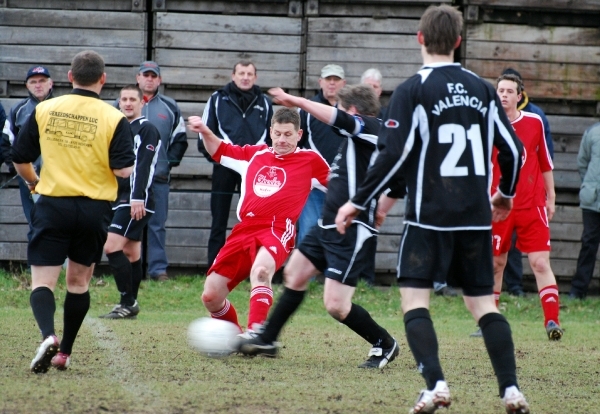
(553,44)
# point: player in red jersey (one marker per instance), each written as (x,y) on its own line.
(276,182)
(533,205)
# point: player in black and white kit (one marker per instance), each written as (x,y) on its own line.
(440,128)
(340,258)
(133,207)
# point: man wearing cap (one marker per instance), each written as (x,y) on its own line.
(39,85)
(321,138)
(513,273)
(164,113)
(240,114)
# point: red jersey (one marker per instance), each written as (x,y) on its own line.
(274,187)
(536,160)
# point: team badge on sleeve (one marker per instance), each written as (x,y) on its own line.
(392,123)
(150,147)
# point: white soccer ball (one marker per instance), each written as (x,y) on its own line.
(213,338)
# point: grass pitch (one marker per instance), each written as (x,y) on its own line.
(146,366)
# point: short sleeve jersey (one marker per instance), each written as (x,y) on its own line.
(536,160)
(81,140)
(274,187)
(440,128)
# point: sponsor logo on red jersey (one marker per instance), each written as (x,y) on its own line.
(268,181)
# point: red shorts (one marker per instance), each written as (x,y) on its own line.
(236,257)
(531,225)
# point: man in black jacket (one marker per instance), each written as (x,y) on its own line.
(240,114)
(39,84)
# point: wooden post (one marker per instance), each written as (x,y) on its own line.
(472,13)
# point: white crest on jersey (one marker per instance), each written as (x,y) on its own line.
(268,181)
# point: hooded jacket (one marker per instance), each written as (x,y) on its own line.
(588,162)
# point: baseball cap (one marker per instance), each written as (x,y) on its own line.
(332,70)
(150,66)
(37,70)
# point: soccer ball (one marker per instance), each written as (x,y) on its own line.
(213,338)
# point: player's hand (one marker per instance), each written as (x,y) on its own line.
(379,218)
(137,210)
(550,209)
(501,207)
(282,98)
(195,124)
(345,215)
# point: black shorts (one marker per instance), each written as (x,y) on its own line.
(123,225)
(339,256)
(461,257)
(73,227)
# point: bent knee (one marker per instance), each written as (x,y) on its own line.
(261,275)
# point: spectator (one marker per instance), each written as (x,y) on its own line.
(276,182)
(373,77)
(340,259)
(39,84)
(513,274)
(448,214)
(239,114)
(71,216)
(588,161)
(3,152)
(133,208)
(320,137)
(164,113)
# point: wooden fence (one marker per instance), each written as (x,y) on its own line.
(554,45)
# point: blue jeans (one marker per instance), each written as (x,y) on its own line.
(157,234)
(310,213)
(27,203)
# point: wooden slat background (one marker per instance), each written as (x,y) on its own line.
(555,46)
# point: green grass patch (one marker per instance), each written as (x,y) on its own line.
(146,366)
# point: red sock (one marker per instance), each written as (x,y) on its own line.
(497,298)
(228,314)
(550,304)
(261,299)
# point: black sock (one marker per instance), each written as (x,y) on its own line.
(75,309)
(501,349)
(136,277)
(43,306)
(287,304)
(423,345)
(121,268)
(361,322)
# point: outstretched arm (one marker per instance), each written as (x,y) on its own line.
(323,113)
(211,141)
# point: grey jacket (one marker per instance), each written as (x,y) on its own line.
(588,162)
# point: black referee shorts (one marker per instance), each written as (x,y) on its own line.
(338,256)
(73,227)
(461,257)
(123,225)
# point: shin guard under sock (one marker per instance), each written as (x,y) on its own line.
(423,344)
(500,347)
(75,308)
(228,313)
(287,304)
(121,268)
(261,299)
(361,322)
(550,303)
(43,306)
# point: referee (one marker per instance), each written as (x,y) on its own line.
(85,144)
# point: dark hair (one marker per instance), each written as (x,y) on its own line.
(362,97)
(132,87)
(87,68)
(513,78)
(287,116)
(245,62)
(441,27)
